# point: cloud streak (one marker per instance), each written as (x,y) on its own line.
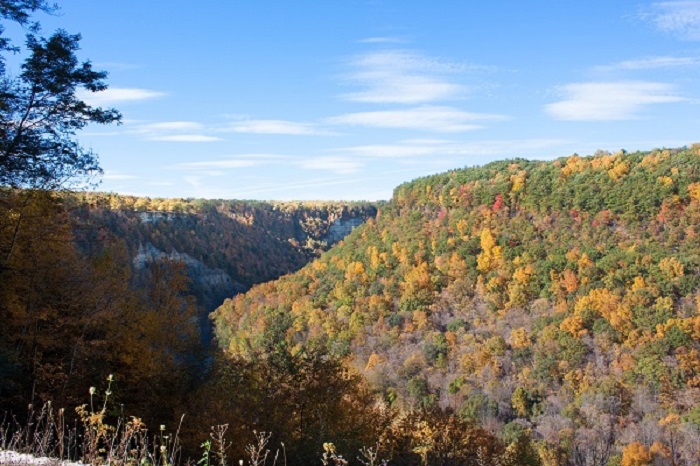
(608,101)
(395,151)
(381,40)
(113,176)
(274,127)
(651,63)
(677,17)
(403,77)
(185,138)
(173,131)
(338,165)
(417,148)
(172,126)
(118,95)
(238,161)
(426,118)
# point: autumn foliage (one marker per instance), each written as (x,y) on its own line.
(554,298)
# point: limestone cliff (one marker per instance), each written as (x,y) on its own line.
(227,246)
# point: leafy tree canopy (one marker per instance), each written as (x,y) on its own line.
(40,111)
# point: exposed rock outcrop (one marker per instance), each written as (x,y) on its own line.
(199,272)
(341,228)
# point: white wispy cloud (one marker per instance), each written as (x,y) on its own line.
(508,147)
(185,138)
(116,95)
(426,148)
(426,141)
(678,17)
(211,172)
(339,165)
(195,181)
(101,134)
(111,176)
(172,126)
(404,77)
(393,150)
(273,127)
(172,131)
(381,40)
(604,101)
(238,161)
(650,63)
(220,164)
(427,118)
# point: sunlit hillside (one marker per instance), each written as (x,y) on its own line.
(558,298)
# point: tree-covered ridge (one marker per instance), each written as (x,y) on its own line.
(229,235)
(561,297)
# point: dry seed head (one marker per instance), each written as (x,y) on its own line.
(329,447)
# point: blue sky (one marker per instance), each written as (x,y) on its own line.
(255,99)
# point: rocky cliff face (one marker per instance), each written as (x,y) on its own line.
(206,276)
(154,217)
(341,228)
(227,246)
(210,285)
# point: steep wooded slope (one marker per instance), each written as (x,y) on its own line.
(230,235)
(560,296)
(227,245)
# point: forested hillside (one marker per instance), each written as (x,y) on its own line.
(226,245)
(94,284)
(557,299)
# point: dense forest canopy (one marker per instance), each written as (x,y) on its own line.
(559,298)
